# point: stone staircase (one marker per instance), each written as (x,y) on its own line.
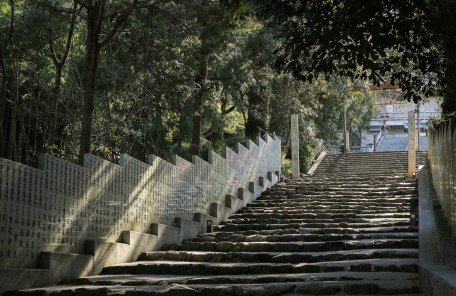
(339,232)
(368,163)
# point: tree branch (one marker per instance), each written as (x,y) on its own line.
(59,62)
(71,30)
(120,17)
(82,4)
(51,46)
(51,6)
(229,110)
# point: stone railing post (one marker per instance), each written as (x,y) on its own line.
(294,133)
(411,144)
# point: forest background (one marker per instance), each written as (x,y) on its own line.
(161,77)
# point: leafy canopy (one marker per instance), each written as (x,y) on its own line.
(385,41)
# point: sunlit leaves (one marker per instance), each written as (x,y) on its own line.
(5,7)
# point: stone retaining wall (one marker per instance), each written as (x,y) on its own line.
(60,205)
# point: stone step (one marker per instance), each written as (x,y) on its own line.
(339,179)
(341,191)
(345,283)
(366,188)
(401,260)
(299,246)
(326,209)
(353,195)
(322,256)
(320,219)
(238,237)
(296,207)
(331,205)
(196,268)
(308,226)
(396,229)
(282,215)
(314,182)
(335,199)
(302,210)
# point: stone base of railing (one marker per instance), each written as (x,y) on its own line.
(62,262)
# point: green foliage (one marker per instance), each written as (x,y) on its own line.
(286,167)
(146,83)
(383,40)
(439,122)
(220,146)
(5,7)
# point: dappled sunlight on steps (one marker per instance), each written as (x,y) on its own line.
(345,234)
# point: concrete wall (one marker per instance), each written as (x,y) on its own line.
(437,248)
(104,208)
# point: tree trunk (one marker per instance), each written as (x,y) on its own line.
(256,120)
(54,106)
(200,81)
(12,136)
(94,23)
(2,104)
(95,15)
(2,88)
(59,64)
(7,115)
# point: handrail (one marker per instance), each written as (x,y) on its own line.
(314,155)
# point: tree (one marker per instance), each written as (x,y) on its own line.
(21,62)
(385,41)
(445,28)
(214,24)
(59,61)
(96,17)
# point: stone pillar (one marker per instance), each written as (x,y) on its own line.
(411,144)
(347,142)
(418,125)
(295,174)
(375,142)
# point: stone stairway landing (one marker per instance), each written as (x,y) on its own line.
(349,234)
(368,164)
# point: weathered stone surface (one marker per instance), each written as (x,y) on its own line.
(91,292)
(361,289)
(333,268)
(236,238)
(141,292)
(224,246)
(217,291)
(178,290)
(294,258)
(267,290)
(412,268)
(306,268)
(318,289)
(334,246)
(60,293)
